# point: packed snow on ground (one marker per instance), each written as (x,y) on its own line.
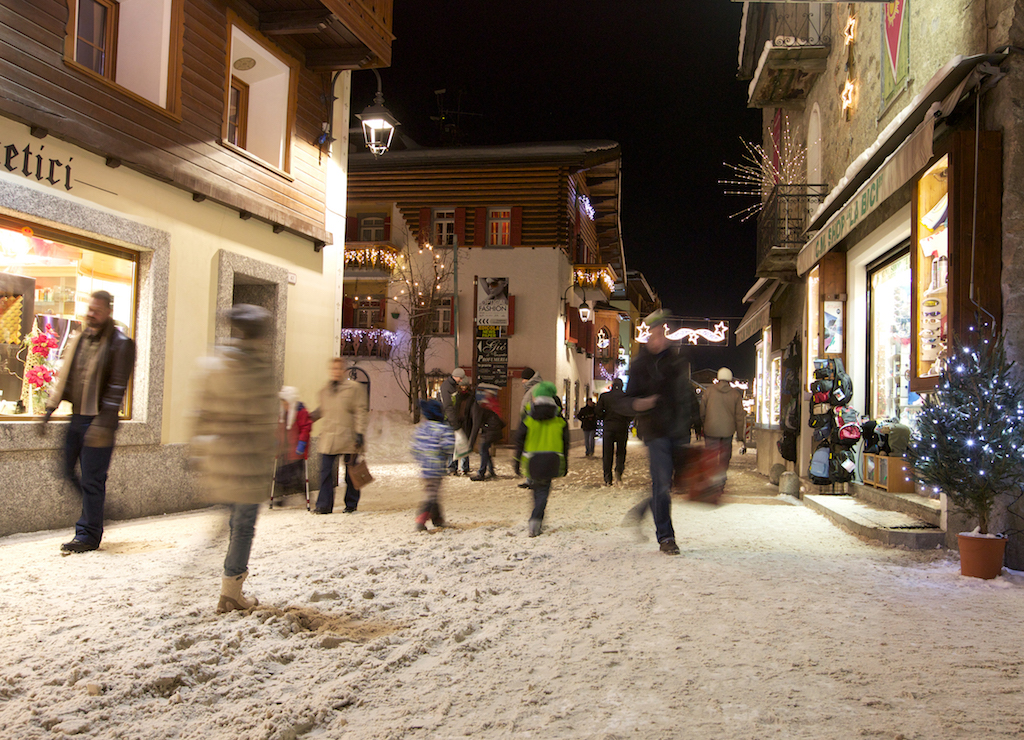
(772,623)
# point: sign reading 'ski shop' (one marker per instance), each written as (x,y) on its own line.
(34,164)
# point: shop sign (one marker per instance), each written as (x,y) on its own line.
(492,301)
(491,356)
(904,163)
(34,165)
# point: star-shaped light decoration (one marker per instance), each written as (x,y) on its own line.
(643,332)
(850,31)
(847,96)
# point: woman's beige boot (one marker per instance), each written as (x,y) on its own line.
(231,598)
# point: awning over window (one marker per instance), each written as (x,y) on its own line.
(758,315)
(902,150)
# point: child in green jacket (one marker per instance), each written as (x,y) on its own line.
(542,448)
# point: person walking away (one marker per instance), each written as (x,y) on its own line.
(234,438)
(432,445)
(615,432)
(660,393)
(542,449)
(530,380)
(293,429)
(94,375)
(464,403)
(587,417)
(723,415)
(487,425)
(344,408)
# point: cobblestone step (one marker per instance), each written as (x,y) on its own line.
(893,528)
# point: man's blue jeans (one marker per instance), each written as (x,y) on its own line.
(541,489)
(660,452)
(93,462)
(243,527)
(588,441)
(328,476)
(486,463)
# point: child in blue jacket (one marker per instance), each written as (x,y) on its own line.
(432,445)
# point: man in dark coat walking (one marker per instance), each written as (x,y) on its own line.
(615,430)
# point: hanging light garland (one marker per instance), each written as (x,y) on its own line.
(372,258)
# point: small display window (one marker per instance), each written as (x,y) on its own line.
(931,278)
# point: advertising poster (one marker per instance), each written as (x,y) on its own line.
(492,301)
(491,356)
(833,328)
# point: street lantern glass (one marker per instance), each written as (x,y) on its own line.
(378,126)
(585,312)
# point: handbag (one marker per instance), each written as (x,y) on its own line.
(461,445)
(359,473)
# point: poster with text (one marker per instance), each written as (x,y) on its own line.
(492,301)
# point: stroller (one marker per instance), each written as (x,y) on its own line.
(291,469)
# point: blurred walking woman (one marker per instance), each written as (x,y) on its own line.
(234,443)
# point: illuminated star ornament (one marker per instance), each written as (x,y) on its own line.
(714,336)
(643,332)
(847,96)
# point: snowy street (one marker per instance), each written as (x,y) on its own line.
(772,623)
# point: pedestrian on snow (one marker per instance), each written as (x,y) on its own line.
(344,408)
(98,364)
(723,415)
(293,428)
(463,404)
(448,395)
(530,382)
(587,417)
(233,443)
(542,449)
(487,425)
(615,432)
(432,445)
(661,395)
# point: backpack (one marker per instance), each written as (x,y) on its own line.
(819,468)
(849,434)
(841,465)
(842,392)
(789,419)
(787,446)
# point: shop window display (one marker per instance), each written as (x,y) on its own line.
(932,274)
(46,280)
(890,339)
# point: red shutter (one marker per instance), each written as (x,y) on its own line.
(572,324)
(347,311)
(425,224)
(383,306)
(517,226)
(460,226)
(511,329)
(480,227)
(351,228)
(387,228)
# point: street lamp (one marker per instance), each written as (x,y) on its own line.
(586,313)
(378,123)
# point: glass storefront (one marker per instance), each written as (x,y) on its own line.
(46,280)
(932,303)
(889,284)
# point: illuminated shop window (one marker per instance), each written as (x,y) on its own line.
(46,280)
(889,367)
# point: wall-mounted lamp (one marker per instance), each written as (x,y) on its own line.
(586,313)
(378,123)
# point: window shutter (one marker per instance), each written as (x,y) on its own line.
(425,223)
(460,226)
(511,328)
(347,311)
(517,226)
(480,227)
(383,306)
(572,324)
(387,228)
(352,228)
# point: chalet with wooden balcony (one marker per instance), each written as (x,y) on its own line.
(544,217)
(177,154)
(784,47)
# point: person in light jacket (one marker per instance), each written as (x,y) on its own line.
(723,415)
(234,438)
(343,411)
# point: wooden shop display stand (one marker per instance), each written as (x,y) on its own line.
(893,474)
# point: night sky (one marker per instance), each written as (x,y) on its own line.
(658,77)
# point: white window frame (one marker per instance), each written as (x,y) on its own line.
(444,227)
(499,227)
(369,228)
(441,323)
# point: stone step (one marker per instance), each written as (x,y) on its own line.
(922,507)
(893,528)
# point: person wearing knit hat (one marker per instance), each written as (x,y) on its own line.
(723,415)
(449,397)
(542,449)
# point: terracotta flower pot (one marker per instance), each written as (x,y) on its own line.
(981,556)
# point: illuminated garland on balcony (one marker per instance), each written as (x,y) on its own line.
(374,335)
(373,258)
(596,278)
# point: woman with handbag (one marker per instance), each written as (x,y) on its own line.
(344,408)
